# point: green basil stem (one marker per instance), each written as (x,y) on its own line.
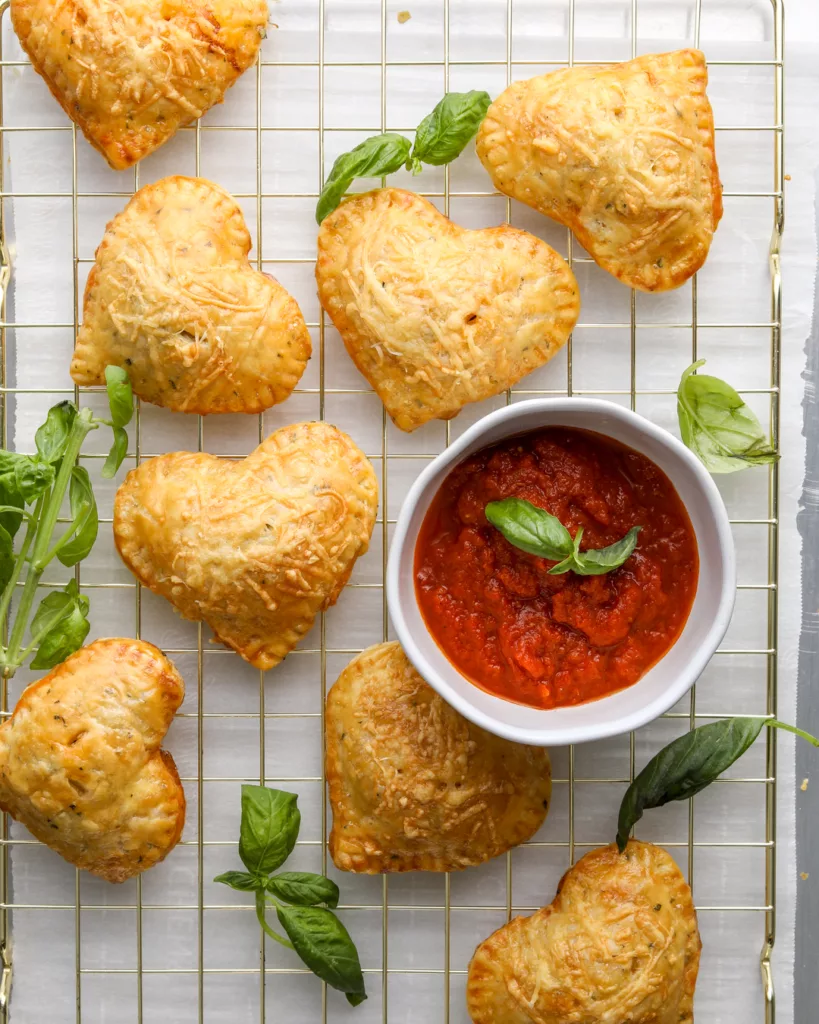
(261,907)
(774,723)
(45,518)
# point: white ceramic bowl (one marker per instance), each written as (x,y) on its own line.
(667,681)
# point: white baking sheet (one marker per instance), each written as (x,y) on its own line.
(50,940)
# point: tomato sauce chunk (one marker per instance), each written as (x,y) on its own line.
(554,641)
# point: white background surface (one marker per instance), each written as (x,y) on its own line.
(733,287)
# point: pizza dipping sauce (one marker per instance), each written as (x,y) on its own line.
(553,641)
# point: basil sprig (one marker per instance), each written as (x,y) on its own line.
(715,423)
(536,531)
(690,763)
(439,139)
(268,833)
(32,491)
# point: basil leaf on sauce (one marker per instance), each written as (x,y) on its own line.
(597,561)
(442,135)
(539,533)
(689,764)
(530,528)
(717,425)
(372,158)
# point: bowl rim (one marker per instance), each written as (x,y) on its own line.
(563,735)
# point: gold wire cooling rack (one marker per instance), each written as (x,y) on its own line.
(448,975)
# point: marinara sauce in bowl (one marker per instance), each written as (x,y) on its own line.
(545,658)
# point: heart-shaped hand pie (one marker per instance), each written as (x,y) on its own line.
(436,316)
(413,785)
(173,300)
(255,548)
(130,73)
(619,943)
(622,154)
(80,764)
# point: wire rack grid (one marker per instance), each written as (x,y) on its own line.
(402,987)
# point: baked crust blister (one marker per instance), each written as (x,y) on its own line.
(622,154)
(436,316)
(619,943)
(80,763)
(413,785)
(131,73)
(173,300)
(258,547)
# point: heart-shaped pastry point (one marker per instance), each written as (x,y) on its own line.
(173,300)
(80,764)
(413,785)
(131,72)
(436,316)
(255,548)
(619,944)
(622,154)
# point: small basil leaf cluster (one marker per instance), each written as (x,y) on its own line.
(32,491)
(439,139)
(269,829)
(536,531)
(718,426)
(690,763)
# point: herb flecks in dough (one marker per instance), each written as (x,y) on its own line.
(173,298)
(80,759)
(622,154)
(131,73)
(618,943)
(255,547)
(413,785)
(436,316)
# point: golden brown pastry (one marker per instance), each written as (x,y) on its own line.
(80,764)
(173,300)
(436,316)
(619,944)
(255,548)
(622,154)
(130,72)
(413,785)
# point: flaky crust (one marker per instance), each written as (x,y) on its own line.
(80,764)
(436,316)
(173,300)
(619,943)
(130,72)
(413,785)
(621,154)
(255,548)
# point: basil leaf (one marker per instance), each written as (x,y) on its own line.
(596,561)
(6,556)
(120,395)
(52,437)
(442,135)
(119,449)
(304,888)
(373,158)
(270,827)
(240,880)
(85,521)
(324,944)
(717,425)
(32,477)
(530,528)
(59,626)
(11,497)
